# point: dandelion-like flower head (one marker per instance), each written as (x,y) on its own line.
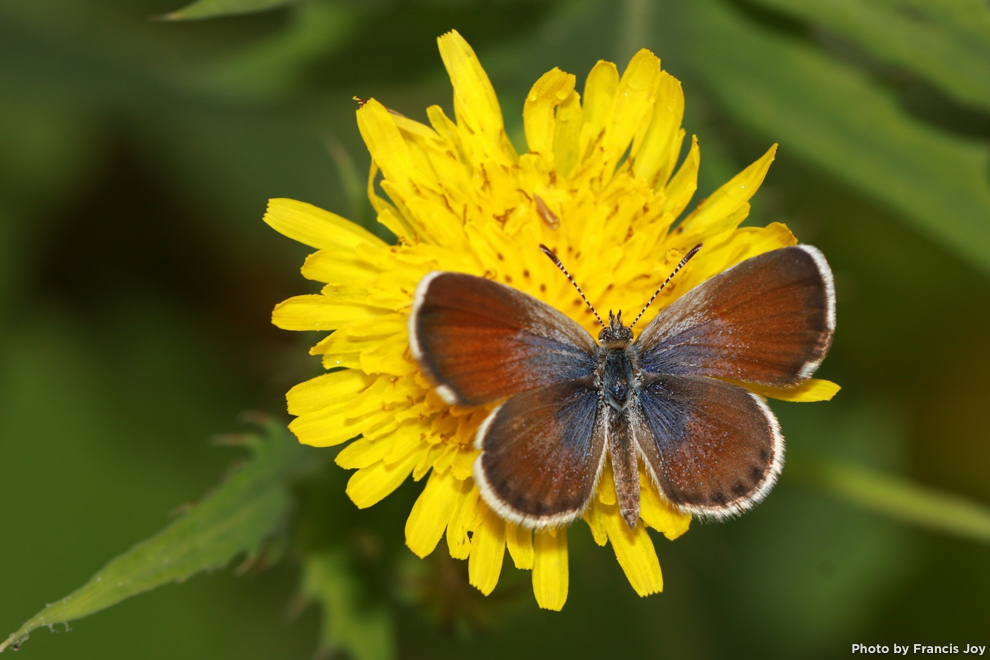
(601,186)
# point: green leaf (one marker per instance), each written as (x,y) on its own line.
(946,43)
(278,64)
(235,519)
(832,116)
(213,8)
(898,498)
(362,629)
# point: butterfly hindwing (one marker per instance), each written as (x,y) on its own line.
(713,448)
(480,341)
(542,453)
(767,320)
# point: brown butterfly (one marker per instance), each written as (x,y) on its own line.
(712,448)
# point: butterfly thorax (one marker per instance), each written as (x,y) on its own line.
(618,363)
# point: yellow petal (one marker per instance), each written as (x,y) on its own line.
(711,214)
(487,553)
(326,430)
(386,423)
(387,145)
(369,486)
(606,485)
(419,211)
(659,513)
(388,215)
(463,465)
(343,341)
(635,552)
(593,516)
(633,103)
(406,439)
(446,129)
(550,577)
(389,324)
(337,266)
(362,453)
(813,389)
(462,520)
(420,206)
(657,153)
(773,236)
(447,455)
(432,512)
(684,183)
(427,459)
(388,356)
(344,420)
(418,131)
(552,89)
(317,312)
(520,543)
(475,104)
(599,94)
(346,360)
(315,227)
(567,133)
(328,389)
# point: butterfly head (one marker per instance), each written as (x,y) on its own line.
(615,335)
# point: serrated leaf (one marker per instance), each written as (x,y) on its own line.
(832,116)
(233,520)
(362,629)
(948,44)
(214,8)
(898,498)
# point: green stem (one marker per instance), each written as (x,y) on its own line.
(897,498)
(632,29)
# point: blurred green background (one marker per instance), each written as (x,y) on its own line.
(137,279)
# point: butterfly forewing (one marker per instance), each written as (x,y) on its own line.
(480,341)
(541,454)
(713,448)
(767,320)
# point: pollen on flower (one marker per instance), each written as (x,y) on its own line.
(600,184)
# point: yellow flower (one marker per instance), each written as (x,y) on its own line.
(600,185)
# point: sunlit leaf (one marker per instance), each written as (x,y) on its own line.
(362,629)
(214,8)
(946,43)
(234,520)
(831,115)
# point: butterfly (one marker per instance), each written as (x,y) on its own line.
(666,398)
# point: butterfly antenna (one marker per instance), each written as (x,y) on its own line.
(559,265)
(687,257)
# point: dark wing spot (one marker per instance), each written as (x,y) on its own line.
(739,488)
(718,497)
(756,473)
